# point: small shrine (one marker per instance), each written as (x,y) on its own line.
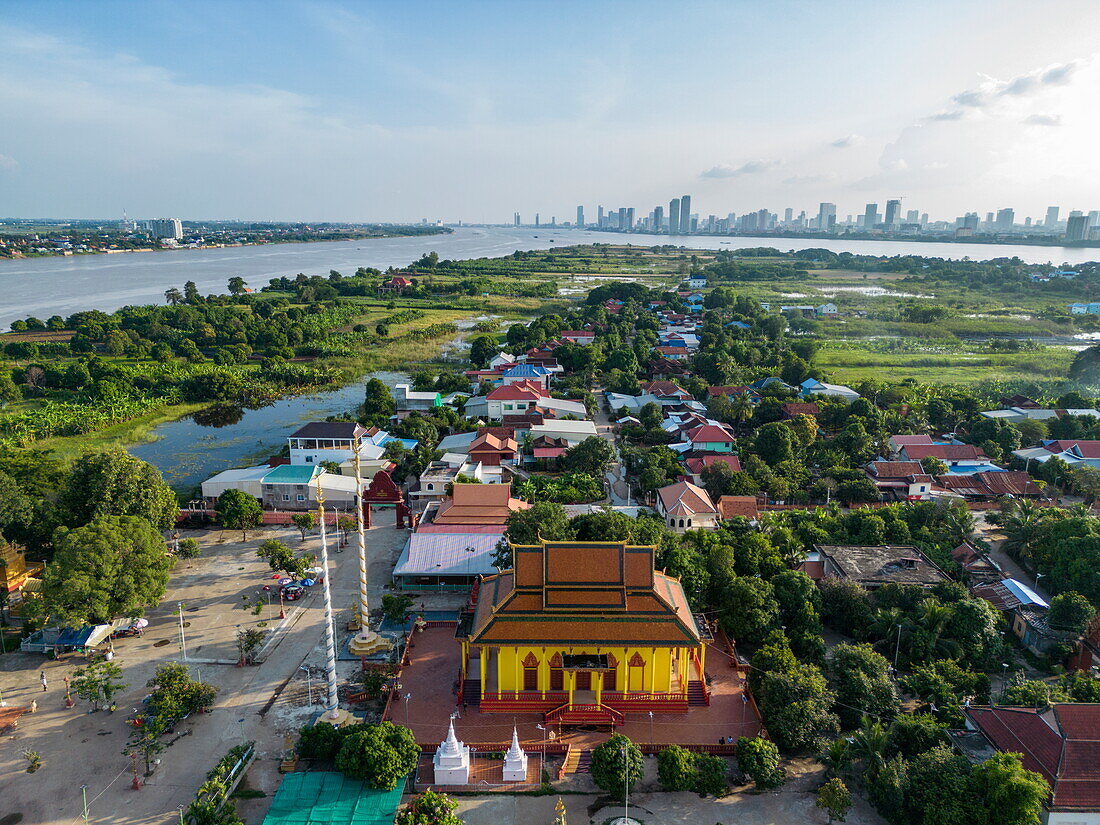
(452,760)
(515,761)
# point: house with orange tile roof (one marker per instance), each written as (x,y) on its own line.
(494,451)
(583,632)
(738,506)
(473,505)
(684,506)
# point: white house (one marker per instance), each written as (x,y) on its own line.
(573,432)
(685,506)
(811,386)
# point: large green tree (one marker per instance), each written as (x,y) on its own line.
(115,566)
(940,789)
(1013,794)
(114,483)
(616,765)
(98,682)
(237,510)
(759,758)
(381,755)
(861,679)
(797,709)
(593,455)
(545,519)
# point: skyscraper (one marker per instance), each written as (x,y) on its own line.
(893,212)
(870,216)
(580,217)
(599,216)
(623,225)
(1077,228)
(912,216)
(826,217)
(630,219)
(166,229)
(788,215)
(685,214)
(1052,216)
(536,219)
(515,219)
(658,218)
(674,216)
(1006,218)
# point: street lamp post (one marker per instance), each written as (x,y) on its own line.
(309,682)
(408,696)
(542,754)
(84,796)
(626,786)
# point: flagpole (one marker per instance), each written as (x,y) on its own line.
(332,706)
(366,641)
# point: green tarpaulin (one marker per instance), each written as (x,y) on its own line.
(317,798)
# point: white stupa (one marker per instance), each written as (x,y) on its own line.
(452,760)
(515,761)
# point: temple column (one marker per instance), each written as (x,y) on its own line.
(652,670)
(599,686)
(570,685)
(517,673)
(500,671)
(484,654)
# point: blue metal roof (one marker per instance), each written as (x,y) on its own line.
(526,370)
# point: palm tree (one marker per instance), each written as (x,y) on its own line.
(870,743)
(934,618)
(837,756)
(1020,521)
(173,296)
(741,408)
(889,623)
(958,524)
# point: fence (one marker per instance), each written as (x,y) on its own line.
(268,517)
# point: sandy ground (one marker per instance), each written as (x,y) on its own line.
(82,748)
(792,804)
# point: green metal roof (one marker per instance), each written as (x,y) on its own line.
(324,798)
(292,474)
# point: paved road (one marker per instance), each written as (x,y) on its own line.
(79,748)
(616,475)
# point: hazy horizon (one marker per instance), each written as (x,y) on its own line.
(338,112)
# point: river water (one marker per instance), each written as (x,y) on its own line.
(188,451)
(60,286)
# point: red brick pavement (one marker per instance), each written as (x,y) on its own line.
(431,678)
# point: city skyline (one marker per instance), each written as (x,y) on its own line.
(321,111)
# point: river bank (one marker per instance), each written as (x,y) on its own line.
(59,285)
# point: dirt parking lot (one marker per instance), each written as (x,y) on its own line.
(82,748)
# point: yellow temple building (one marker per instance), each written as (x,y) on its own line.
(582,632)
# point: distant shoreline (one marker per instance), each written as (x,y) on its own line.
(858,236)
(442,230)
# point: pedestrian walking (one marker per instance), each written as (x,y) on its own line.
(34,705)
(44,684)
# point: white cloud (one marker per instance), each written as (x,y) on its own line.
(752,167)
(847,141)
(1030,83)
(1043,120)
(8,163)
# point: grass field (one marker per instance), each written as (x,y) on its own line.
(851,365)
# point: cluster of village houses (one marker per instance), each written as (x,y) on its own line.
(519,426)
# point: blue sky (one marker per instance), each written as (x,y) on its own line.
(366,111)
